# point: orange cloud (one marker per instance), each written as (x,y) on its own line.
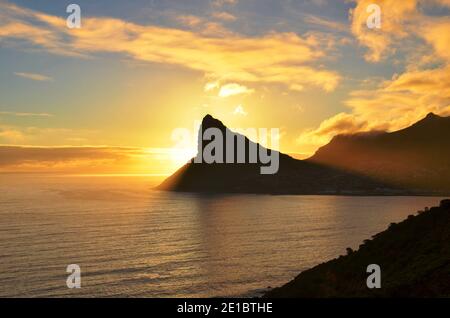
(394,105)
(11,135)
(342,123)
(437,33)
(406,98)
(85,160)
(395,17)
(403,100)
(400,20)
(280,58)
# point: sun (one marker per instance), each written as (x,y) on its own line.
(179,156)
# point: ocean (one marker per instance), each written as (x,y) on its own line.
(132,241)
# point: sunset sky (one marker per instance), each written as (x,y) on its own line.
(106,98)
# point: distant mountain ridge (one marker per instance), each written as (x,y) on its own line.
(409,161)
(417,157)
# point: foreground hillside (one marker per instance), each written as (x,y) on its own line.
(414,257)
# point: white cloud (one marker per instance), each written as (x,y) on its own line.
(211,86)
(26,114)
(33,76)
(239,111)
(221,3)
(224,16)
(232,89)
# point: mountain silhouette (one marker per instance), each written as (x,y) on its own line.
(293,177)
(413,256)
(416,158)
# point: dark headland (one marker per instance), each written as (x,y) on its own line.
(414,257)
(411,161)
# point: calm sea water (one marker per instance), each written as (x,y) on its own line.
(132,241)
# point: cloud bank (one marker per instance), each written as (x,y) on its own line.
(274,58)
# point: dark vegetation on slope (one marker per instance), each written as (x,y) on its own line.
(414,257)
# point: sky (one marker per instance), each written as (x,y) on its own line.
(107,97)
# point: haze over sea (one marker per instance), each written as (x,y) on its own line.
(130,240)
